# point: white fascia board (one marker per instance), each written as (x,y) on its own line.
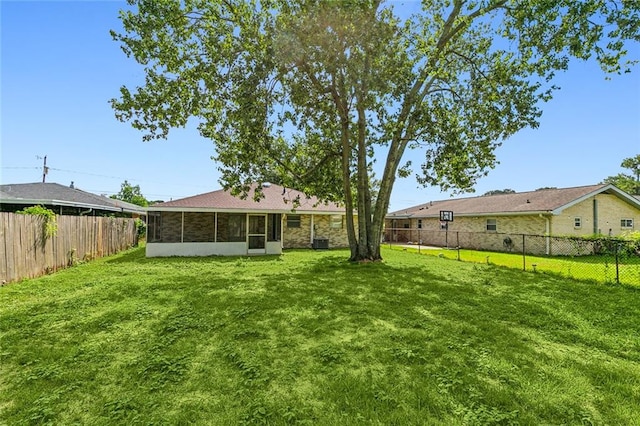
(221,210)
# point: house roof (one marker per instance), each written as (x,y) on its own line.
(61,195)
(276,199)
(542,201)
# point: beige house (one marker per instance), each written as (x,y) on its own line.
(597,209)
(218,223)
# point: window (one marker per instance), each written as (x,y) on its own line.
(419,223)
(492,225)
(293,221)
(231,227)
(626,223)
(577,222)
(273,227)
(336,221)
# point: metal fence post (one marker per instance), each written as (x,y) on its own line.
(617,262)
(524,256)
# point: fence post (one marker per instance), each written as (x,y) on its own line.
(458,243)
(524,255)
(617,259)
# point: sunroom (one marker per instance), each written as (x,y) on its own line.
(218,223)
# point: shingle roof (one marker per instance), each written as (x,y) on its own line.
(56,194)
(276,198)
(532,202)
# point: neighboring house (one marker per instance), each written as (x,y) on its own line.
(218,223)
(586,210)
(64,200)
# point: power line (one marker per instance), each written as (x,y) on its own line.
(31,168)
(122,179)
(127,179)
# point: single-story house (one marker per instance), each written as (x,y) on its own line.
(64,200)
(586,210)
(218,223)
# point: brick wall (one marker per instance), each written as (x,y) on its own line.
(611,210)
(301,237)
(199,227)
(171,227)
(532,225)
(337,236)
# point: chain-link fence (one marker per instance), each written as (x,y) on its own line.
(602,259)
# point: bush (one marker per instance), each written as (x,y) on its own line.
(50,225)
(141,228)
(633,242)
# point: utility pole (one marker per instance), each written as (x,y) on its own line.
(45,169)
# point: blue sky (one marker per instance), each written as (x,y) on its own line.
(59,68)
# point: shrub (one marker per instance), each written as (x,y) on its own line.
(633,241)
(50,226)
(141,228)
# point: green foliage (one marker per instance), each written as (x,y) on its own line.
(305,93)
(499,192)
(131,194)
(628,183)
(50,225)
(633,240)
(625,182)
(141,228)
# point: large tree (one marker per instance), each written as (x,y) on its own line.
(314,92)
(629,183)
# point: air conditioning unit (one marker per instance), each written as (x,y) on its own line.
(320,243)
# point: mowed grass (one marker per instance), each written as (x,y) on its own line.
(308,338)
(600,269)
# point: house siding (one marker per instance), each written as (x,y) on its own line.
(610,210)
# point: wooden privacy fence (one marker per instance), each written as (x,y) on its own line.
(26,251)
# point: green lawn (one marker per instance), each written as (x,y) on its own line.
(308,338)
(600,269)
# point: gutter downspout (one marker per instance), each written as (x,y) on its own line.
(595,216)
(548,235)
(82,213)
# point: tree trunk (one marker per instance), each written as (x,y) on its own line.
(368,248)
